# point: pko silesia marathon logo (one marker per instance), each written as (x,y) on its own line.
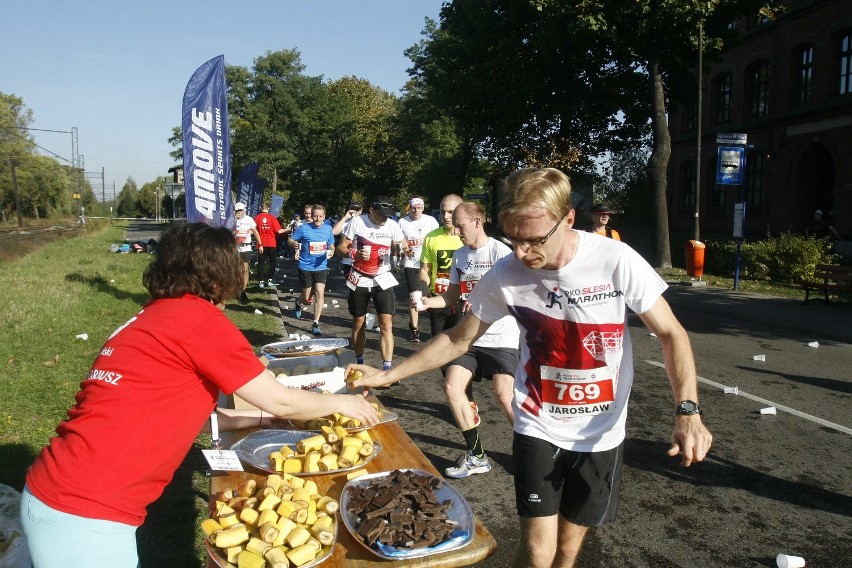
(580,296)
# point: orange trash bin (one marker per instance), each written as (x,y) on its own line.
(695,258)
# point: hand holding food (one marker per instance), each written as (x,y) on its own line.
(369,377)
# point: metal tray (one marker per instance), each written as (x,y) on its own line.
(255,448)
(325,552)
(459,512)
(384,417)
(303,347)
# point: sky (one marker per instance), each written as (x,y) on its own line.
(117,70)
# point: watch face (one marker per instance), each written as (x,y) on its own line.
(687,407)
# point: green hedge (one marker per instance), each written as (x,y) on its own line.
(788,258)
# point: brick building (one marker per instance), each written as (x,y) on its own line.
(788,86)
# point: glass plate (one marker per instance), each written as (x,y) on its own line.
(255,448)
(384,416)
(222,561)
(460,512)
(303,347)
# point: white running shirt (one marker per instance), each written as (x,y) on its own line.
(467,269)
(415,232)
(576,367)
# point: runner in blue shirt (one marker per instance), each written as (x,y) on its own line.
(314,245)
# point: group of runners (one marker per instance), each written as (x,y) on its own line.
(543,318)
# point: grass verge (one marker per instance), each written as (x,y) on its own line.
(51,295)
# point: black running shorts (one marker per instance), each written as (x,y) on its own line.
(581,486)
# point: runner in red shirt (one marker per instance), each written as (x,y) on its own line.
(269,229)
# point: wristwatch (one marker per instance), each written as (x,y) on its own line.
(688,407)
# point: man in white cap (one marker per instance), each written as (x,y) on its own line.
(243,230)
(415,226)
(369,240)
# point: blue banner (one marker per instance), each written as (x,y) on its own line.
(256,199)
(206,147)
(731,163)
(277,204)
(248,189)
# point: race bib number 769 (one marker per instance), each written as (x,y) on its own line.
(577,392)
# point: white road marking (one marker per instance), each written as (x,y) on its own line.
(764,401)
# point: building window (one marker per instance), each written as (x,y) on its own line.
(687,195)
(805,73)
(723,99)
(755,170)
(690,121)
(846,64)
(758,90)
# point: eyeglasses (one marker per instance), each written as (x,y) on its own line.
(530,243)
(379,205)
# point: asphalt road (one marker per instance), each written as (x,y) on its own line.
(771,484)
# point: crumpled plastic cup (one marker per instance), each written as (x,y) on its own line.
(759,357)
(258,312)
(769,410)
(813,344)
(732,390)
(786,561)
(83,336)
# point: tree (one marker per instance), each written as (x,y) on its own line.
(15,148)
(147,198)
(128,200)
(552,82)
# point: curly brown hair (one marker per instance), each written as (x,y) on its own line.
(195,259)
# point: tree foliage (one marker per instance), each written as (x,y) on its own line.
(557,83)
(44,186)
(128,200)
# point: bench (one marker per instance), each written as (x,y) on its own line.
(828,277)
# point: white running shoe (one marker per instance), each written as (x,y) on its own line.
(468,465)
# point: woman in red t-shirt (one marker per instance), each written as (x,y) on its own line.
(148,394)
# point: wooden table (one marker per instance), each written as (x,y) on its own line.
(398,452)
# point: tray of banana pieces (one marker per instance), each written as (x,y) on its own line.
(303,453)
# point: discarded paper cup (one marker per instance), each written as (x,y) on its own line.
(732,390)
(769,410)
(785,561)
(370,320)
(417,298)
(83,336)
(813,344)
(759,357)
(258,312)
(325,305)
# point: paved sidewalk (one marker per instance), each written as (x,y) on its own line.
(832,322)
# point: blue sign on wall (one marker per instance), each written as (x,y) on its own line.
(731,164)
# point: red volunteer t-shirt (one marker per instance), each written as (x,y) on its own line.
(268,227)
(147,396)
